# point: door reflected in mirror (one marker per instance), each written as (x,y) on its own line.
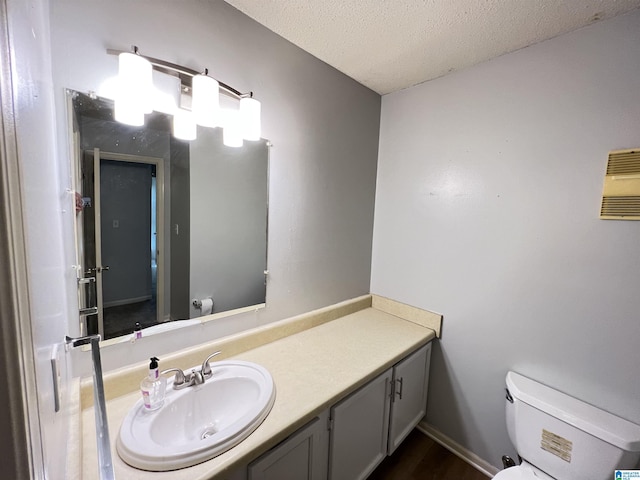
(164,225)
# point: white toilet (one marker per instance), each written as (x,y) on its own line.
(561,438)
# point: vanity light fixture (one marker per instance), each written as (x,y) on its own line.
(135,84)
(250,118)
(199,94)
(232,131)
(205,101)
(184,125)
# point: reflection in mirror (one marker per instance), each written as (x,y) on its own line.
(166,230)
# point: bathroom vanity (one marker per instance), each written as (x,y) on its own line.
(348,390)
(350,439)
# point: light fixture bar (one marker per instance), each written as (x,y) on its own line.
(185,74)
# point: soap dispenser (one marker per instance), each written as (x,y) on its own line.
(153,387)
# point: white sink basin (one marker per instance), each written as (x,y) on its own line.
(199,422)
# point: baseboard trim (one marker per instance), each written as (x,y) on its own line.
(126,301)
(454,447)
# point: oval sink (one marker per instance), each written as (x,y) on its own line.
(199,422)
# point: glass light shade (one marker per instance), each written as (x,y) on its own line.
(184,126)
(250,118)
(205,101)
(136,80)
(127,111)
(232,131)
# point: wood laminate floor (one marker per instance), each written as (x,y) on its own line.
(420,458)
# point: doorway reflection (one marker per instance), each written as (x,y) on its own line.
(121,241)
(128,246)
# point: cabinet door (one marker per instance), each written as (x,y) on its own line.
(359,431)
(302,456)
(409,398)
(238,474)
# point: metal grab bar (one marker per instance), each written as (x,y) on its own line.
(105,463)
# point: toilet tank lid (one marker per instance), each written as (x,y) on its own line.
(594,421)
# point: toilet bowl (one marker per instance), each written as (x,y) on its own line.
(524,471)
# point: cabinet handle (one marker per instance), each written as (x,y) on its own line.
(399,390)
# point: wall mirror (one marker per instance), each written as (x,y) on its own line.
(166,230)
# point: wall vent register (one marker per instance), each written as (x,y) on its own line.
(621,191)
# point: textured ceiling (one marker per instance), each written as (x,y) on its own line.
(389,45)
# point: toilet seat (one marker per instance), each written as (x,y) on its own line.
(515,473)
(522,472)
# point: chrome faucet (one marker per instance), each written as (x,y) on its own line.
(195,377)
(179,380)
(206,368)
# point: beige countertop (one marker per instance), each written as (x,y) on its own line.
(312,370)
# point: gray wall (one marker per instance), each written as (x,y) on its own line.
(324,127)
(180,239)
(229,227)
(487,209)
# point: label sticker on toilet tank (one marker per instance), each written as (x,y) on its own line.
(557,445)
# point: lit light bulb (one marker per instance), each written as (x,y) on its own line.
(135,84)
(206,102)
(232,132)
(184,126)
(250,118)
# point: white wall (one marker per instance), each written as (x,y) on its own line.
(48,216)
(324,127)
(488,191)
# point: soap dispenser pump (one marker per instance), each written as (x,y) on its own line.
(153,387)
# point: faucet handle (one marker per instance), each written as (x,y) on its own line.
(179,381)
(206,368)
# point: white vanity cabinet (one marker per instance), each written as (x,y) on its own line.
(370,423)
(359,429)
(302,456)
(409,399)
(351,439)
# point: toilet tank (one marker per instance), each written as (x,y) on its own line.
(565,437)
